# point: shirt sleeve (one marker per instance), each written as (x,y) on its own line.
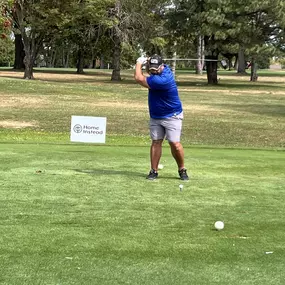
(158,82)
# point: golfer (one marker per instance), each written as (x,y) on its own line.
(165,111)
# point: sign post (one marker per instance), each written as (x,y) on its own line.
(88,129)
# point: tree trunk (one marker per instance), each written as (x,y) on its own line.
(53,57)
(31,45)
(80,62)
(116,74)
(67,60)
(102,62)
(241,61)
(230,62)
(31,41)
(174,57)
(93,64)
(93,60)
(19,52)
(30,55)
(253,73)
(200,55)
(212,66)
(236,62)
(63,57)
(29,62)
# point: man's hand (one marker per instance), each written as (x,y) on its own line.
(139,77)
(142,60)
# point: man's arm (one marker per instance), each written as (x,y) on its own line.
(139,77)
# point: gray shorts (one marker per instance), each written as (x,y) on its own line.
(169,128)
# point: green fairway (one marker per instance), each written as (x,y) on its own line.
(235,113)
(85,214)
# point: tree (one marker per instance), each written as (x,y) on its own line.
(87,22)
(40,22)
(35,21)
(199,20)
(224,23)
(19,52)
(136,23)
(182,20)
(261,23)
(6,44)
(6,51)
(5,21)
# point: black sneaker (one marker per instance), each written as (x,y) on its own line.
(183,174)
(152,175)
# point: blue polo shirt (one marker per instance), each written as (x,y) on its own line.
(163,98)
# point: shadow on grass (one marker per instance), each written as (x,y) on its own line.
(260,73)
(245,86)
(272,110)
(104,77)
(233,73)
(110,172)
(92,79)
(126,173)
(97,72)
(95,75)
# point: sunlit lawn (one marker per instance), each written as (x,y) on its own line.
(85,214)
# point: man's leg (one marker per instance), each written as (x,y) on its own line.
(173,128)
(157,134)
(155,153)
(178,154)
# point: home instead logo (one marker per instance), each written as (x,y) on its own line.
(88,129)
(77,129)
(91,130)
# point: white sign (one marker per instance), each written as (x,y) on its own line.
(88,129)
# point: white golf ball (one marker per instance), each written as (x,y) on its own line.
(219,225)
(181,186)
(160,166)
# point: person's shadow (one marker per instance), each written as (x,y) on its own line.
(109,172)
(121,172)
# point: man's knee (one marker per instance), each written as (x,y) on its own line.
(175,146)
(157,142)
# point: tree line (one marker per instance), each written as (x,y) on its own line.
(88,33)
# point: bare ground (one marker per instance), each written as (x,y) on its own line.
(8,101)
(9,124)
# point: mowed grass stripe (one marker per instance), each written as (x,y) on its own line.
(76,213)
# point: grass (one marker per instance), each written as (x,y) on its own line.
(85,214)
(71,215)
(236,113)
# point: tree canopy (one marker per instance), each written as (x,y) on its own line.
(119,30)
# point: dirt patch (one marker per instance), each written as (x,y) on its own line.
(21,101)
(16,125)
(68,77)
(13,74)
(123,104)
(231,92)
(203,109)
(71,78)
